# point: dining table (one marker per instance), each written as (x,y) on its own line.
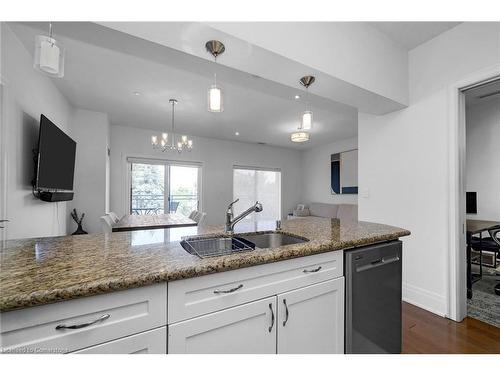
(143,222)
(476,227)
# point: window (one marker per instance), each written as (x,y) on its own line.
(158,187)
(251,185)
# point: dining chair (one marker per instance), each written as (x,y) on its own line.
(106,224)
(173,206)
(114,217)
(201,218)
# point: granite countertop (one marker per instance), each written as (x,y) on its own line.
(46,270)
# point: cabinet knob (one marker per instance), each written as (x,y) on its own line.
(217,291)
(272,317)
(83,325)
(312,271)
(286,312)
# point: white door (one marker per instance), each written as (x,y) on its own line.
(244,329)
(158,187)
(311,319)
(149,342)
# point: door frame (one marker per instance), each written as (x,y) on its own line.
(127,177)
(3,155)
(456,270)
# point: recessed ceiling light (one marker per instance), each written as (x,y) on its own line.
(137,93)
(297,97)
(237,133)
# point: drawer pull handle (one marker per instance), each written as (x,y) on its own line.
(217,291)
(312,271)
(272,317)
(83,325)
(286,312)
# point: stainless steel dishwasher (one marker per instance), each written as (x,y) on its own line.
(373,299)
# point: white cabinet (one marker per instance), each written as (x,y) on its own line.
(80,323)
(305,320)
(290,306)
(197,296)
(149,342)
(311,319)
(248,328)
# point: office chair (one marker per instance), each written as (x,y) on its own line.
(495,236)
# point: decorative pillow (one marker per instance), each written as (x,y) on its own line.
(300,213)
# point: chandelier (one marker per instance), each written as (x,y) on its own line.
(177,142)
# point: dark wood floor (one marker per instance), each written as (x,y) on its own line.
(424,332)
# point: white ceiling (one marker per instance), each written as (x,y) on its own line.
(483,93)
(105,67)
(412,34)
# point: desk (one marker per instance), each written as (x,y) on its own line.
(475,227)
(139,222)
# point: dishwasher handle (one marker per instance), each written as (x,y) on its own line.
(378,263)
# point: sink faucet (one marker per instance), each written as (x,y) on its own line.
(231,221)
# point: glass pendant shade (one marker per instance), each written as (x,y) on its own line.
(49,56)
(299,137)
(154,140)
(307,120)
(215,99)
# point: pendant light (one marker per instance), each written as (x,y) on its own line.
(215,99)
(306,119)
(177,143)
(49,55)
(299,137)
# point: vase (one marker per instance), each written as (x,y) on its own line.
(79,230)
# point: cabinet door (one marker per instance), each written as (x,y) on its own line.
(150,342)
(248,328)
(311,319)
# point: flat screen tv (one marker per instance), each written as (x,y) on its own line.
(471,202)
(56,158)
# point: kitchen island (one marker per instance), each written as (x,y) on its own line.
(156,283)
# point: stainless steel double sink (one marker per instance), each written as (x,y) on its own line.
(218,246)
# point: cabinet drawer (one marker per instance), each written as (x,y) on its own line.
(150,342)
(201,295)
(117,314)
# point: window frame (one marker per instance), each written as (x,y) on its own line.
(167,163)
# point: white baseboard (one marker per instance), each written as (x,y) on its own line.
(425,299)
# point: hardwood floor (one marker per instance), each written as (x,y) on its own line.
(424,332)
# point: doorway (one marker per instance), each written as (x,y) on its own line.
(457,229)
(482,201)
(160,187)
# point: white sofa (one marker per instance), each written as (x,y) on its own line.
(347,212)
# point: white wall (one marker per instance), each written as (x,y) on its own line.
(316,173)
(28,94)
(403,157)
(483,157)
(90,130)
(218,158)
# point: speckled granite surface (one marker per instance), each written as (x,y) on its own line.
(46,270)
